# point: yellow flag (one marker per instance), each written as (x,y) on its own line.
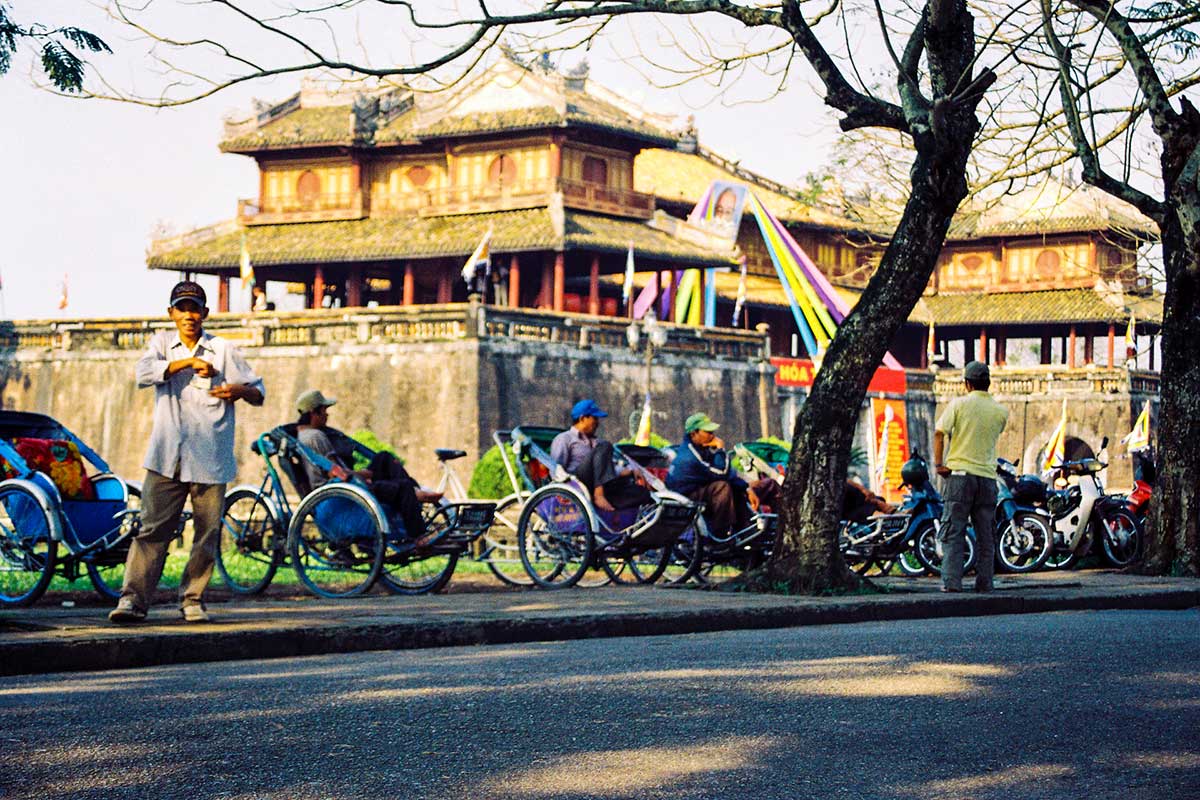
(1056,448)
(1139,438)
(643,432)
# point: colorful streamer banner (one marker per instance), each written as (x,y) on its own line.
(816,306)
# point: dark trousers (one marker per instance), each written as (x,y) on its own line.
(394,488)
(621,491)
(725,507)
(968,497)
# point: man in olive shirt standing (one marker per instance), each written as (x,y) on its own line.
(974,423)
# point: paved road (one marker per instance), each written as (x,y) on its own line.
(1069,705)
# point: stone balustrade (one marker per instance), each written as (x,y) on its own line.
(1053,379)
(432,323)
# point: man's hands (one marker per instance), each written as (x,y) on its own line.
(203,368)
(943,470)
(229,391)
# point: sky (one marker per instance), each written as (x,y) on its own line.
(87,181)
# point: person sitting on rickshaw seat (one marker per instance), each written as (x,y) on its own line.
(580,453)
(385,476)
(703,471)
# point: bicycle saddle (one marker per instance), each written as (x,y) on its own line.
(448,455)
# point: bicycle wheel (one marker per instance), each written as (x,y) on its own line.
(640,568)
(1121,537)
(499,543)
(336,541)
(28,554)
(248,554)
(687,554)
(415,571)
(555,538)
(1024,544)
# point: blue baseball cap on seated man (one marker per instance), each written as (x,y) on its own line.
(586,408)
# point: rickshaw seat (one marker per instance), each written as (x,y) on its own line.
(448,455)
(60,461)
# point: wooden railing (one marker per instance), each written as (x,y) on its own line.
(383,325)
(1018,381)
(319,208)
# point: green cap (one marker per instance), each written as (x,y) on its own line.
(699,422)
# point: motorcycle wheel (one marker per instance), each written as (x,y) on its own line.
(1025,543)
(1121,538)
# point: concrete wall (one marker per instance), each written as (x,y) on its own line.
(451,391)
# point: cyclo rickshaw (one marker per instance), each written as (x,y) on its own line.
(706,557)
(561,535)
(54,517)
(338,537)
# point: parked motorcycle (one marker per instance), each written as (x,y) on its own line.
(886,539)
(1144,475)
(1024,539)
(1085,514)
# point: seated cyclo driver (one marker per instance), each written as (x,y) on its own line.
(385,476)
(703,471)
(580,453)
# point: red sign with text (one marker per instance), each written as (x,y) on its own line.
(800,372)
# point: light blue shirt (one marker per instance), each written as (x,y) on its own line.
(193,431)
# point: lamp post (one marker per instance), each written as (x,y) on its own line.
(655,335)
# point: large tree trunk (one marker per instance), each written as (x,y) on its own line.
(1173,527)
(806,557)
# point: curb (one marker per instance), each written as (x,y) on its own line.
(107,652)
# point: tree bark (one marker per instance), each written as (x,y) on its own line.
(1173,525)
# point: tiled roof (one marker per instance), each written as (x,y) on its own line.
(1051,306)
(395,237)
(1050,207)
(304,127)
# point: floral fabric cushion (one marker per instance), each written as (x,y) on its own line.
(60,460)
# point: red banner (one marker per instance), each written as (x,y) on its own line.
(800,372)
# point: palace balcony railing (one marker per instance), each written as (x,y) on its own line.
(316,208)
(382,325)
(1052,379)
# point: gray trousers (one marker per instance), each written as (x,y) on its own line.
(968,498)
(162,503)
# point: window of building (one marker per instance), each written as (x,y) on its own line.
(595,170)
(1047,264)
(308,187)
(419,176)
(503,170)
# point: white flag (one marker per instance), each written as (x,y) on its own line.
(481,256)
(247,269)
(741,296)
(627,289)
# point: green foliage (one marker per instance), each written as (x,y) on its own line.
(490,481)
(62,66)
(858,456)
(655,441)
(369,439)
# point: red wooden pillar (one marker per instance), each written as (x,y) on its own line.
(354,286)
(318,285)
(594,287)
(1071,349)
(545,296)
(1047,348)
(560,280)
(983,346)
(1112,341)
(1001,351)
(514,282)
(223,293)
(1089,349)
(445,284)
(407,290)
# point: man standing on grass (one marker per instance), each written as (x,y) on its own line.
(973,422)
(197,378)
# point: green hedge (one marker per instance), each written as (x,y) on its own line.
(489,481)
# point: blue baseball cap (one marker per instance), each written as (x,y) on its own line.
(586,408)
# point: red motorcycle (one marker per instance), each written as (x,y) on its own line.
(1144,475)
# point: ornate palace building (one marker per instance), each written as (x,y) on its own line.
(377,199)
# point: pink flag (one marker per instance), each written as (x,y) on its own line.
(645,298)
